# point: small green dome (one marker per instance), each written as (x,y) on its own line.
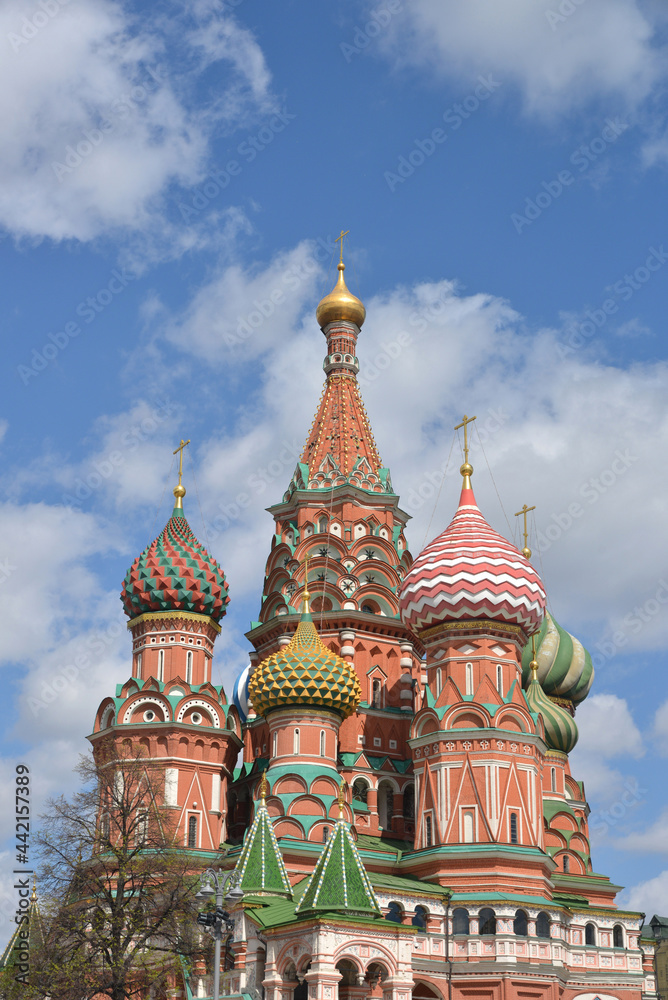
(561,733)
(565,669)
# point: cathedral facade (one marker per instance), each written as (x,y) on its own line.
(404,823)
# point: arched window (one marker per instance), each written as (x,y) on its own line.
(295,747)
(189,666)
(469,678)
(409,802)
(553,779)
(420,918)
(322,742)
(513,828)
(322,525)
(274,745)
(161,665)
(395,913)
(618,936)
(360,790)
(499,679)
(325,834)
(138,671)
(192,831)
(567,863)
(460,920)
(590,934)
(543,925)
(468,827)
(521,923)
(439,681)
(487,921)
(375,693)
(428,835)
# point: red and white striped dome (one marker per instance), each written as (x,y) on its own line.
(471,572)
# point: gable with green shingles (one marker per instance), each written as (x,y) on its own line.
(339,881)
(260,866)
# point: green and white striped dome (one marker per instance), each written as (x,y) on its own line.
(565,669)
(561,733)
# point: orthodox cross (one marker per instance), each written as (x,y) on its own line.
(526,551)
(465,422)
(180,448)
(342,797)
(341,239)
(264,784)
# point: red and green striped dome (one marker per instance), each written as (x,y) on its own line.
(175,573)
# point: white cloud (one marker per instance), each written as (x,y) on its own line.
(653,840)
(661,729)
(607,732)
(650,897)
(605,48)
(99,115)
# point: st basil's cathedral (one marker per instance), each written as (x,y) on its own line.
(391,777)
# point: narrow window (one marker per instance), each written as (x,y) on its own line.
(567,863)
(322,742)
(543,925)
(274,745)
(513,828)
(161,665)
(487,921)
(617,936)
(360,790)
(138,673)
(295,748)
(427,831)
(189,667)
(322,525)
(468,827)
(469,678)
(499,679)
(460,920)
(325,834)
(142,827)
(590,934)
(420,918)
(192,831)
(375,694)
(438,681)
(409,802)
(394,913)
(553,779)
(520,923)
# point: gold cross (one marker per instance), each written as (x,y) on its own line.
(180,450)
(341,238)
(465,422)
(526,551)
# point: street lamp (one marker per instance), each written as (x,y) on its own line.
(214,884)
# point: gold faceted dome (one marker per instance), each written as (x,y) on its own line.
(305,673)
(340,304)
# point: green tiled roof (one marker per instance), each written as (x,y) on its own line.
(413,886)
(261,866)
(339,881)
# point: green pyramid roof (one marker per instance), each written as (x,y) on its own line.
(339,880)
(260,864)
(27,939)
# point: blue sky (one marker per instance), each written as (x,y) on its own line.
(172,183)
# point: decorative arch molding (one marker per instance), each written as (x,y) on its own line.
(198,703)
(382,954)
(516,716)
(467,717)
(426,724)
(150,701)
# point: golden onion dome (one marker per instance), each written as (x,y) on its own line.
(340,304)
(305,673)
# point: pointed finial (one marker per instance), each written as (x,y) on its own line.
(33,898)
(264,786)
(179,490)
(466,469)
(340,239)
(305,609)
(534,662)
(526,551)
(342,797)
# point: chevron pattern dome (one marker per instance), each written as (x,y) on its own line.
(305,672)
(470,572)
(175,573)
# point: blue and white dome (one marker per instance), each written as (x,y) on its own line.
(240,692)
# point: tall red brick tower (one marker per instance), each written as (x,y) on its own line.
(341,512)
(169,711)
